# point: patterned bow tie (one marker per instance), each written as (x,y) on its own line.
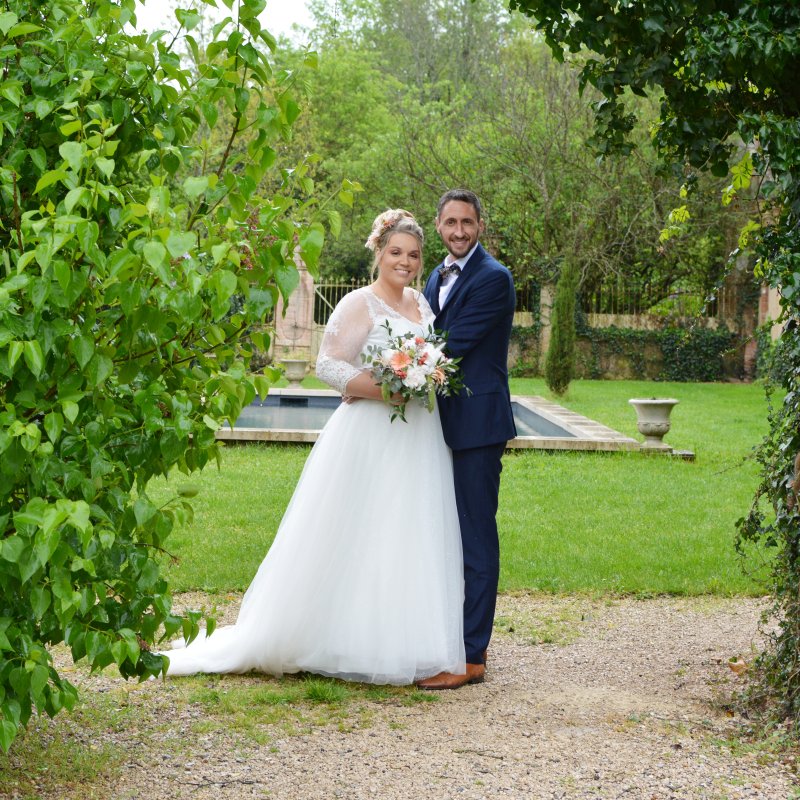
(449,269)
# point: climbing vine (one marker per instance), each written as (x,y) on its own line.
(680,353)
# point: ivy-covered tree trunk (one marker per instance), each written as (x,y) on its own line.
(122,235)
(559,366)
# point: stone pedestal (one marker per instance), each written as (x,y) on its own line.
(653,420)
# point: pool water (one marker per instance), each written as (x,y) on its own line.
(310,413)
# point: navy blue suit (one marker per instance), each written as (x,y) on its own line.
(477,317)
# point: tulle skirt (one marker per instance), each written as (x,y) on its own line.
(364,579)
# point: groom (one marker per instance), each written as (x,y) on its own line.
(473,298)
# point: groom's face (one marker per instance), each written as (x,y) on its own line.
(459,227)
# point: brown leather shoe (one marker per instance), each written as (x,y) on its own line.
(447,680)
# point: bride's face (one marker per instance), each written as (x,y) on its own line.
(401,259)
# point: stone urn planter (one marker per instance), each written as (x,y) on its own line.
(295,370)
(653,420)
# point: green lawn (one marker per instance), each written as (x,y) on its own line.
(569,522)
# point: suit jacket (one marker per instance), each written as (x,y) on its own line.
(477,318)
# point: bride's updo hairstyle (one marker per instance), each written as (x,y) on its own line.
(393,220)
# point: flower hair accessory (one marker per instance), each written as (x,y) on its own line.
(384,222)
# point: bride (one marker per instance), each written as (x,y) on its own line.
(364,579)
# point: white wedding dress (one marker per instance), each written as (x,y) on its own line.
(364,579)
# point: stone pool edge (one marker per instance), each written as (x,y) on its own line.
(588,434)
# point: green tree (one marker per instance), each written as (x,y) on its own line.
(518,135)
(416,98)
(560,359)
(726,73)
(124,300)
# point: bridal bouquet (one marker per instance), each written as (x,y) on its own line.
(415,367)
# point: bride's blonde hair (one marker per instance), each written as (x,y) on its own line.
(393,220)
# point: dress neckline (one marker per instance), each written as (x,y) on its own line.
(395,311)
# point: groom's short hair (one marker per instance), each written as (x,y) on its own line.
(462,196)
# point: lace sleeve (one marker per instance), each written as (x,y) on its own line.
(345,334)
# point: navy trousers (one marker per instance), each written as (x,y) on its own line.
(476,474)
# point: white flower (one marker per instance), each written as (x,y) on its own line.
(415,378)
(435,354)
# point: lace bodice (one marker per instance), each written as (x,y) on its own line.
(356,323)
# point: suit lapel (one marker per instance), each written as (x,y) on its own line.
(434,285)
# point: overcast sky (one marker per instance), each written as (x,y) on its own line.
(278,17)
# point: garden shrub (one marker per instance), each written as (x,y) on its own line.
(123,219)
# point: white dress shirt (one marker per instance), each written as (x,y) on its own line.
(449,280)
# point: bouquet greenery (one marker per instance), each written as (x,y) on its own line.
(413,367)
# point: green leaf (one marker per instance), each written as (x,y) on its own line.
(74,196)
(8,19)
(143,510)
(49,178)
(653,24)
(23,29)
(155,254)
(73,153)
(188,18)
(219,251)
(180,244)
(119,650)
(70,409)
(82,347)
(34,357)
(311,243)
(40,601)
(211,422)
(13,547)
(262,385)
(106,166)
(71,127)
(39,678)
(31,437)
(15,350)
(195,186)
(12,91)
(287,277)
(99,368)
(8,732)
(79,515)
(38,158)
(225,284)
(53,425)
(88,234)
(210,113)
(132,643)
(719,169)
(62,272)
(42,108)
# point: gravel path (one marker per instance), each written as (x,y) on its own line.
(583,699)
